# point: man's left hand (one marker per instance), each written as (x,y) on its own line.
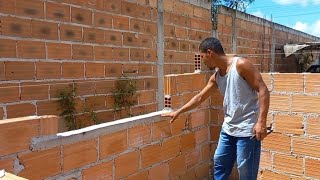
(260,130)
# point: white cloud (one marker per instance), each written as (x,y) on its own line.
(289,2)
(313,28)
(301,26)
(301,2)
(258,14)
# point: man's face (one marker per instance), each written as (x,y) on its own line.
(208,58)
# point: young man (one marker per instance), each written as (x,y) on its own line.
(245,105)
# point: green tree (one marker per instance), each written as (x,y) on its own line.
(240,5)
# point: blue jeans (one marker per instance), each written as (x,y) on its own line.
(243,149)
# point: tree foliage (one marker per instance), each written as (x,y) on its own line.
(240,5)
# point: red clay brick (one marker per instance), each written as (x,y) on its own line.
(20,70)
(85,88)
(100,171)
(7,7)
(265,160)
(113,38)
(145,70)
(311,168)
(137,25)
(48,108)
(306,146)
(92,35)
(7,48)
(12,26)
(44,30)
(131,39)
(215,132)
(279,102)
(81,16)
(104,87)
(150,155)
(150,55)
(288,164)
(170,148)
(188,142)
(48,70)
(159,172)
(46,162)
(112,6)
(121,54)
(111,144)
(139,135)
(177,166)
(146,97)
(202,135)
(130,69)
(32,8)
(49,125)
(59,51)
(17,137)
(79,154)
(70,33)
(199,118)
(192,158)
(7,164)
(277,142)
(150,83)
(313,126)
(94,70)
(161,130)
(202,171)
(82,52)
(288,82)
(58,12)
(102,20)
(31,49)
(302,103)
(20,110)
(120,22)
(34,91)
(121,164)
(136,54)
(269,175)
(73,70)
(102,53)
(139,176)
(9,93)
(96,102)
(288,124)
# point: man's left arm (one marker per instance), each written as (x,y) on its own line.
(247,71)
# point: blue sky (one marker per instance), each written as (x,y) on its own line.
(303,15)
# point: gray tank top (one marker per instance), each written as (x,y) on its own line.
(240,103)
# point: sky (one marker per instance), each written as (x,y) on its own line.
(302,15)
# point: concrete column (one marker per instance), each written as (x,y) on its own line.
(234,32)
(273,46)
(160,53)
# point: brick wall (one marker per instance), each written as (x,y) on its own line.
(47,45)
(185,26)
(254,38)
(291,150)
(159,149)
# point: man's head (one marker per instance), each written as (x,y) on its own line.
(211,50)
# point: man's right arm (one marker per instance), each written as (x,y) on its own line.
(196,100)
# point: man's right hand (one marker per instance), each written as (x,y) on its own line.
(174,115)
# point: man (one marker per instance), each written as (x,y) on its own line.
(245,105)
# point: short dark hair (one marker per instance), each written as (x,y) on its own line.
(212,44)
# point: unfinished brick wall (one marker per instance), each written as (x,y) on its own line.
(185,26)
(253,37)
(47,45)
(157,149)
(291,151)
